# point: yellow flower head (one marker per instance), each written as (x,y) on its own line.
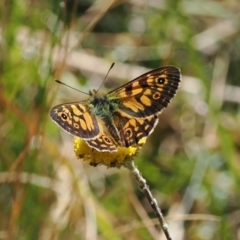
(110,159)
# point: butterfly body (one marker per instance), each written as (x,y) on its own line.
(103,106)
(123,116)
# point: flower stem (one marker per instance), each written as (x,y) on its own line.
(153,202)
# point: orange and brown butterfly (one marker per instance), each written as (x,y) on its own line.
(123,116)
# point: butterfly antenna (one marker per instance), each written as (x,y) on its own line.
(71,87)
(106,75)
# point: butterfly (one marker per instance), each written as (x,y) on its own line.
(121,117)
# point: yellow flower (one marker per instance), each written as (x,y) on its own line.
(110,159)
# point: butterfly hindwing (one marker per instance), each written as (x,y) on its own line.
(132,130)
(103,143)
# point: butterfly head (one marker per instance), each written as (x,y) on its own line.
(93,93)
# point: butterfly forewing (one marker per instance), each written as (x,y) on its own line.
(76,119)
(148,94)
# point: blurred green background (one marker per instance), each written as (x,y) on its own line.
(191,161)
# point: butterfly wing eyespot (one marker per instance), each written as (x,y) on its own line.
(106,139)
(148,94)
(156,95)
(128,133)
(76,119)
(161,80)
(64,116)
